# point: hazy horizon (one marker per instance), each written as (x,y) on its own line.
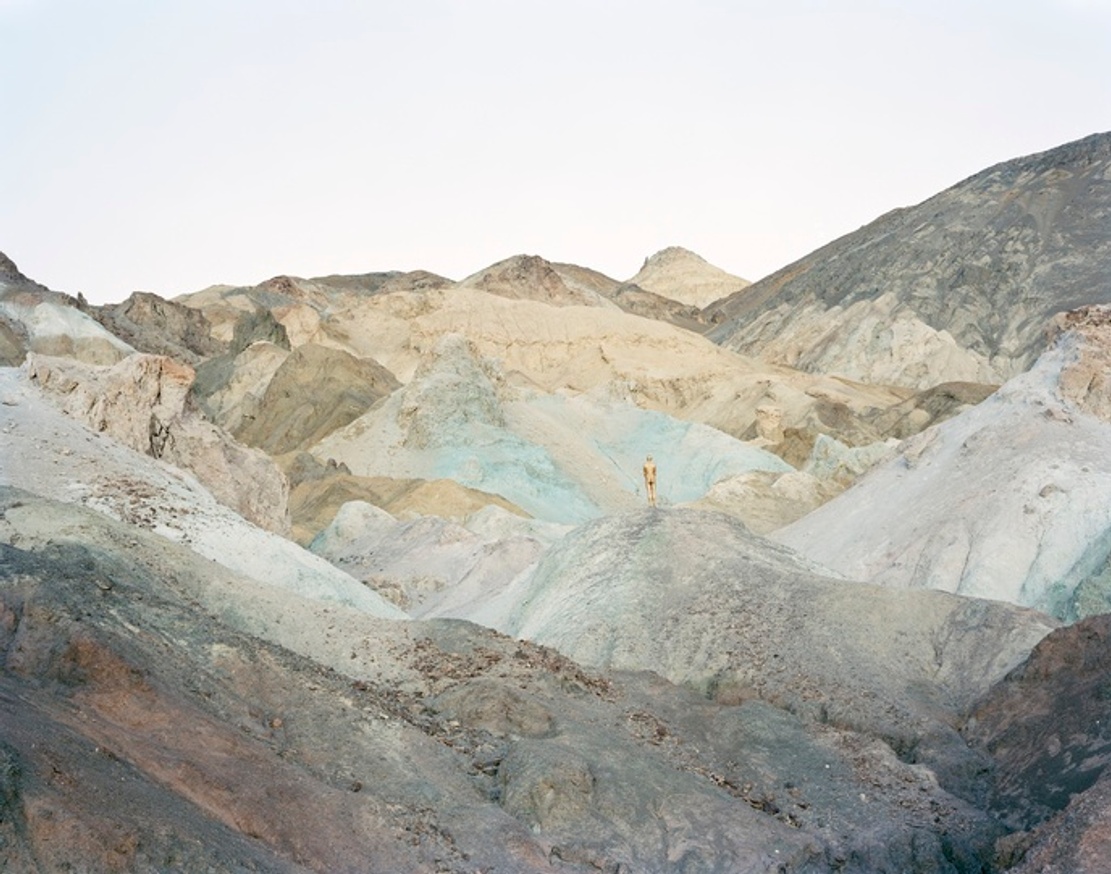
(167,147)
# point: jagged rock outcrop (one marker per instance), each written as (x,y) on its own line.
(9,273)
(930,407)
(35,319)
(1009,500)
(959,288)
(13,343)
(64,459)
(701,601)
(230,389)
(161,327)
(683,276)
(531,320)
(143,403)
(1085,379)
(1047,724)
(1077,840)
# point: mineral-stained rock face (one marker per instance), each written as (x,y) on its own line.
(61,457)
(142,402)
(558,458)
(960,287)
(315,500)
(1009,500)
(930,407)
(1085,379)
(13,343)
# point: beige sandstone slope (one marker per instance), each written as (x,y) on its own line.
(581,348)
(657,365)
(682,275)
(314,502)
(553,328)
(314,391)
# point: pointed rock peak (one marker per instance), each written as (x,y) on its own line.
(681,275)
(287,285)
(674,255)
(520,270)
(8,271)
(530,277)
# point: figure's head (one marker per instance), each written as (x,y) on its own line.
(649,458)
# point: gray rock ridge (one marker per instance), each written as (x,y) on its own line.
(959,287)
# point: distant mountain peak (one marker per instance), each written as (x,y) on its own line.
(672,254)
(684,276)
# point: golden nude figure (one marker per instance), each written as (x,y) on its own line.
(650,480)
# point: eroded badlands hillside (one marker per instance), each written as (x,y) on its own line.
(357,573)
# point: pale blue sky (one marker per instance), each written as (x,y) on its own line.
(166,146)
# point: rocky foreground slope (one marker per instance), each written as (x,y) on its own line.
(240,724)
